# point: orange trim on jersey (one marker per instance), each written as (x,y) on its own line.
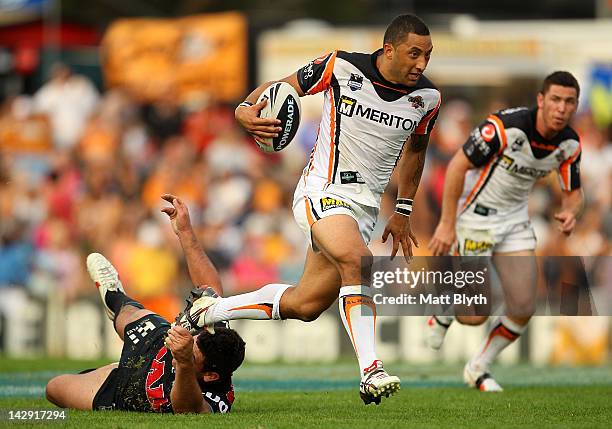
(501,130)
(485,171)
(267,309)
(403,91)
(332,132)
(310,165)
(548,147)
(325,80)
(422,127)
(353,301)
(308,213)
(478,185)
(565,167)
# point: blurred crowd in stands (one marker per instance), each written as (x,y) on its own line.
(83,171)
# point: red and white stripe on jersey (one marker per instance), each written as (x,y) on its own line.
(423,127)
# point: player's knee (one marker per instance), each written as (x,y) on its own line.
(472,320)
(521,308)
(53,391)
(352,260)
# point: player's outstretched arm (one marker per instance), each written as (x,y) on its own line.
(186,395)
(572,203)
(201,269)
(444,236)
(410,169)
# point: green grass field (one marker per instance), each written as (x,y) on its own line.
(309,396)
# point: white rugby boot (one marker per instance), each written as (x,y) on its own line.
(480,379)
(193,317)
(106,278)
(376,383)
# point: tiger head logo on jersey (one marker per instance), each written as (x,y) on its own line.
(417,102)
(560,155)
(355,82)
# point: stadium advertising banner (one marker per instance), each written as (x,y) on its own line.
(192,56)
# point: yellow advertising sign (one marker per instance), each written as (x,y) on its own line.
(188,57)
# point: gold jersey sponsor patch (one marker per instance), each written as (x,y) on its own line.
(476,246)
(333,203)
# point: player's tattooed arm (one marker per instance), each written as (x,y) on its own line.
(418,143)
(201,269)
(410,168)
(418,147)
(411,165)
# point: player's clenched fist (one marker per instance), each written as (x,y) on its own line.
(180,343)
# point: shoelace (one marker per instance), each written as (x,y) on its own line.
(107,275)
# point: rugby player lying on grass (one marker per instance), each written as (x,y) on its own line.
(162,368)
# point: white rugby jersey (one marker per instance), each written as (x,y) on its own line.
(511,155)
(366,121)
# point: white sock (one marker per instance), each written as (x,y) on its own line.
(358,314)
(262,304)
(501,334)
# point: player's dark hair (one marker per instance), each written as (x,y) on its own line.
(402,26)
(223,353)
(561,78)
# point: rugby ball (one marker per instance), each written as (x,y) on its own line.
(283,104)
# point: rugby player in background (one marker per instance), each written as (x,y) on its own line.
(162,369)
(484,208)
(378,112)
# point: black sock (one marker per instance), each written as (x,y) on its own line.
(115,300)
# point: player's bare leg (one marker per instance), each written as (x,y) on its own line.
(438,325)
(77,390)
(518,275)
(342,249)
(339,239)
(315,292)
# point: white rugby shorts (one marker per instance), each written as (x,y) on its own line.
(313,203)
(473,241)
